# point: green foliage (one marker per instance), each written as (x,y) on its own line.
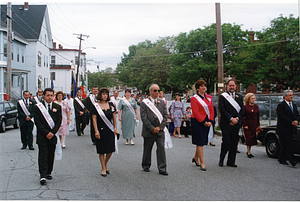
(102,78)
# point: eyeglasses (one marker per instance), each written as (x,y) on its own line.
(156,91)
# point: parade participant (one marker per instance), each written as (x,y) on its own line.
(39,95)
(128,115)
(115,99)
(64,128)
(177,112)
(72,112)
(103,112)
(154,117)
(231,109)
(79,113)
(288,118)
(201,121)
(89,105)
(48,119)
(161,96)
(25,114)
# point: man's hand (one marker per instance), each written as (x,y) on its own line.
(234,120)
(207,124)
(81,113)
(156,130)
(49,135)
(27,118)
(246,128)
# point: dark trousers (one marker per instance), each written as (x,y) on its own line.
(160,152)
(80,124)
(230,137)
(26,136)
(92,129)
(46,159)
(286,152)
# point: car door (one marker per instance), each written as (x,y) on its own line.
(14,112)
(296,141)
(9,114)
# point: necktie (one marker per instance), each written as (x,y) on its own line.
(27,104)
(49,108)
(291,107)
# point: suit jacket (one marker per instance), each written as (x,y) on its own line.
(22,116)
(42,126)
(150,120)
(285,119)
(227,111)
(88,103)
(78,108)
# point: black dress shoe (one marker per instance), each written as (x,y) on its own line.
(103,175)
(43,181)
(82,132)
(94,143)
(293,163)
(49,177)
(203,169)
(107,172)
(237,151)
(283,162)
(146,170)
(186,136)
(24,147)
(194,161)
(163,172)
(31,148)
(232,165)
(221,164)
(249,155)
(212,144)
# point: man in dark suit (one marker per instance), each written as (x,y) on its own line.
(153,131)
(288,117)
(88,105)
(40,95)
(26,125)
(80,114)
(230,122)
(46,138)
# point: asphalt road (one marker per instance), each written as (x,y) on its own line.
(77,175)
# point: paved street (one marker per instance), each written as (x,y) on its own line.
(77,175)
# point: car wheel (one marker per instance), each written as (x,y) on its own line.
(2,126)
(264,117)
(17,123)
(272,147)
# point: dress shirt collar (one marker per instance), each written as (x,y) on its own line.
(152,100)
(201,96)
(26,100)
(46,105)
(288,103)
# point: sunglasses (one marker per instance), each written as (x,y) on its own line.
(156,91)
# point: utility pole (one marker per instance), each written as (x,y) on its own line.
(220,53)
(98,65)
(8,52)
(79,53)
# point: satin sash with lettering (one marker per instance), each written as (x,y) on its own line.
(24,108)
(168,141)
(46,115)
(36,99)
(79,102)
(129,106)
(102,115)
(206,109)
(62,111)
(232,102)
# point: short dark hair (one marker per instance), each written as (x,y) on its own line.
(48,89)
(103,90)
(59,92)
(40,89)
(231,80)
(25,91)
(199,83)
(94,87)
(127,90)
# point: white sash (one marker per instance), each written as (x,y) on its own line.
(24,108)
(102,115)
(46,115)
(129,106)
(79,102)
(206,109)
(36,99)
(232,102)
(168,141)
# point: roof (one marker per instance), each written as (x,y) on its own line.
(17,36)
(28,23)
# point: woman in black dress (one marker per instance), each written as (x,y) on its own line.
(105,138)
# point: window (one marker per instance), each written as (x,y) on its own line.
(40,58)
(12,52)
(81,62)
(22,55)
(259,87)
(44,60)
(52,59)
(76,60)
(5,48)
(1,107)
(7,107)
(39,84)
(15,81)
(18,54)
(45,40)
(52,75)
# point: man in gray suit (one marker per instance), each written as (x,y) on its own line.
(153,131)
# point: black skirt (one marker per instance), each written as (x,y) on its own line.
(199,133)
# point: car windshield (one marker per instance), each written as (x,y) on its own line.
(1,107)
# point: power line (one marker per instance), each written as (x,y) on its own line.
(66,17)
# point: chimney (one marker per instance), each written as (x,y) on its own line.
(54,45)
(251,35)
(26,6)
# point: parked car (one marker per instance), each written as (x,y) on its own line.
(268,137)
(8,115)
(264,111)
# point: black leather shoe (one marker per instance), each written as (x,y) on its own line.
(24,147)
(249,155)
(283,162)
(232,165)
(94,143)
(49,177)
(203,169)
(293,163)
(43,181)
(103,175)
(107,172)
(163,172)
(194,161)
(31,148)
(221,164)
(82,132)
(146,170)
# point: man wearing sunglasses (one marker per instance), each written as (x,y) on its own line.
(154,117)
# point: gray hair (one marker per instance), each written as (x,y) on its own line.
(153,86)
(286,92)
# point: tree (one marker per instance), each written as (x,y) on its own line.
(103,78)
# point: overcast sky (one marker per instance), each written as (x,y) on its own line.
(114,26)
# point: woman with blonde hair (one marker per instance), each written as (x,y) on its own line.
(250,122)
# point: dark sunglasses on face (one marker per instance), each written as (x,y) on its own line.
(156,91)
